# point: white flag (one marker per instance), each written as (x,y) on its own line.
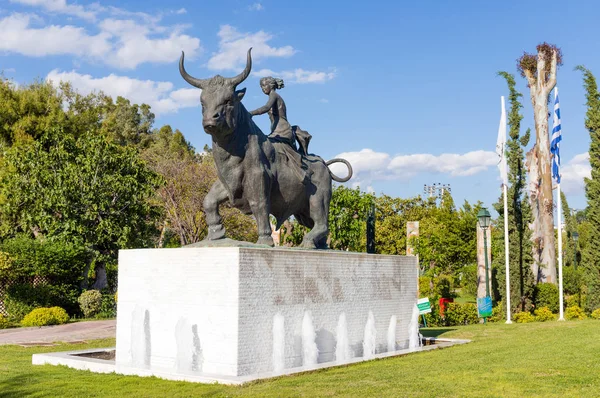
(501,144)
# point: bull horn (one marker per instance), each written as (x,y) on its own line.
(191,80)
(242,76)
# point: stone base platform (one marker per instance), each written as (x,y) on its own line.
(235,313)
(72,359)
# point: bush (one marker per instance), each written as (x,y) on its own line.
(543,314)
(572,300)
(21,298)
(442,287)
(16,309)
(546,295)
(59,265)
(45,317)
(3,322)
(523,317)
(424,286)
(57,262)
(469,280)
(575,313)
(498,313)
(596,314)
(461,314)
(433,318)
(108,308)
(90,302)
(572,280)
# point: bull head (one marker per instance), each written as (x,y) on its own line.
(219,99)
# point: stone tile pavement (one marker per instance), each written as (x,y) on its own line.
(72,332)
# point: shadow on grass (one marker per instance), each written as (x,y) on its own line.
(15,386)
(433,332)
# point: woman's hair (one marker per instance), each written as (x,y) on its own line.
(274,82)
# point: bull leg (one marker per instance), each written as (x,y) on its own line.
(317,237)
(214,197)
(260,204)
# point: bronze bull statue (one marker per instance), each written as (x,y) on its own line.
(253,169)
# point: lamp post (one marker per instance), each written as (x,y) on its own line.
(485,218)
(575,236)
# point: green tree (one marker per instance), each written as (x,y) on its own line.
(447,237)
(590,261)
(126,123)
(519,213)
(391,216)
(347,219)
(569,224)
(28,111)
(85,190)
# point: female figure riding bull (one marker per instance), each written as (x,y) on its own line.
(281,130)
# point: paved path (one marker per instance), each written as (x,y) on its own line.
(71,332)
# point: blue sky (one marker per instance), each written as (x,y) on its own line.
(407,91)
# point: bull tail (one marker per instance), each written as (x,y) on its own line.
(340,160)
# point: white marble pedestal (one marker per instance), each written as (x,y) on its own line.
(246,311)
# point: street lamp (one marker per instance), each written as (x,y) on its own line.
(485,218)
(575,236)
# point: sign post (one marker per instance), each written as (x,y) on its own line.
(484,307)
(424,308)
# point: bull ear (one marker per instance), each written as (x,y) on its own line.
(239,94)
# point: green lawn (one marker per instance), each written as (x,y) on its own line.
(464,298)
(533,360)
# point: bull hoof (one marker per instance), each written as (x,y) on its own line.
(265,240)
(216,232)
(308,244)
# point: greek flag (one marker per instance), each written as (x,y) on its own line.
(555,140)
(501,145)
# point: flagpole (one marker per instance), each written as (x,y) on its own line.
(555,149)
(560,273)
(501,152)
(506,255)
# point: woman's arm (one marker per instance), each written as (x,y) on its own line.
(264,109)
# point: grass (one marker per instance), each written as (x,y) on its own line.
(551,359)
(465,298)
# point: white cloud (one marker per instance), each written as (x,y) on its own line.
(233,46)
(181,11)
(573,173)
(324,101)
(60,7)
(256,7)
(298,75)
(134,46)
(19,36)
(125,40)
(122,13)
(159,95)
(369,166)
(447,163)
(186,97)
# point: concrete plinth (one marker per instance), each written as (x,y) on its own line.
(246,311)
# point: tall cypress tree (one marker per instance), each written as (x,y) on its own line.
(590,259)
(569,225)
(519,211)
